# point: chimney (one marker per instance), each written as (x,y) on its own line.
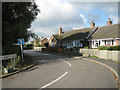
(92,24)
(60,31)
(109,22)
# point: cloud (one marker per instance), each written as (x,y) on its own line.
(70,15)
(83,17)
(114,19)
(55,14)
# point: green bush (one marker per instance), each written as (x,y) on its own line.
(28,46)
(38,45)
(86,47)
(109,48)
(42,45)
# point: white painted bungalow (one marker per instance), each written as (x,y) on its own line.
(93,36)
(106,36)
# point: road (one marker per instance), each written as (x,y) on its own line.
(58,71)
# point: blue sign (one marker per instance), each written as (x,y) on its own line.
(21,41)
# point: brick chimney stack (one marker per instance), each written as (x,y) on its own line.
(109,22)
(60,31)
(92,24)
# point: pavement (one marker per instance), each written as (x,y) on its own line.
(110,63)
(57,71)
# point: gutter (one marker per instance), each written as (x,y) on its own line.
(93,32)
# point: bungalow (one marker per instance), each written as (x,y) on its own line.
(92,37)
(74,38)
(42,41)
(106,36)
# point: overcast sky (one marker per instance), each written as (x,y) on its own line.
(71,15)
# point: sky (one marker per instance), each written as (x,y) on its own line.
(71,15)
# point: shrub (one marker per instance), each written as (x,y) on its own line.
(42,45)
(86,47)
(28,46)
(37,45)
(109,47)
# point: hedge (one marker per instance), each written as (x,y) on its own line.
(109,48)
(28,46)
(38,45)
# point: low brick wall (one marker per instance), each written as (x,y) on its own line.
(104,54)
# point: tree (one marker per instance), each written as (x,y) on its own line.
(16,19)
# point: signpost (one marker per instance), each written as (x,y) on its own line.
(21,42)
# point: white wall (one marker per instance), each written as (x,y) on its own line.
(101,42)
(104,54)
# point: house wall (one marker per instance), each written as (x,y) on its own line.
(44,41)
(117,42)
(34,43)
(105,42)
(52,41)
(104,54)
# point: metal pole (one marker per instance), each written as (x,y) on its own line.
(14,63)
(1,66)
(21,52)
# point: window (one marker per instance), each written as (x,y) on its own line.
(108,42)
(96,45)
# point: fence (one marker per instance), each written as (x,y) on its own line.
(11,57)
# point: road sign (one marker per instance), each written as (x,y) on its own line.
(21,41)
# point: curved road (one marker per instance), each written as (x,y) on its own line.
(57,71)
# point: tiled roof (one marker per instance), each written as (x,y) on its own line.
(74,34)
(112,31)
(103,32)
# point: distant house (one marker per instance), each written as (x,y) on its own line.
(42,41)
(33,42)
(92,37)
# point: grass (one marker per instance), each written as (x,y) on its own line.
(94,56)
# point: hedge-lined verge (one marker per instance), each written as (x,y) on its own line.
(117,48)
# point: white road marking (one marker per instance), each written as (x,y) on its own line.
(66,62)
(54,80)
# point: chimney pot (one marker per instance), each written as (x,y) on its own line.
(92,24)
(60,31)
(109,22)
(60,26)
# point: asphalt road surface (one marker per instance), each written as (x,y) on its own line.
(58,71)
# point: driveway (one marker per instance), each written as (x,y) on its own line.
(58,71)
